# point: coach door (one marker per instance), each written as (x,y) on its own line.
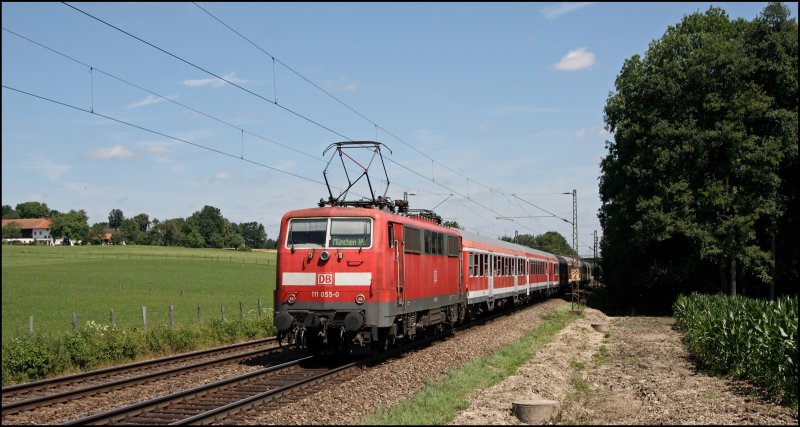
(491,274)
(399,261)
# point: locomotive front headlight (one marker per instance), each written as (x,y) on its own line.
(360,298)
(291,298)
(324,255)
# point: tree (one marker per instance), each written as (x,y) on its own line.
(143,220)
(12,230)
(71,226)
(253,233)
(692,179)
(115,218)
(452,224)
(210,224)
(551,242)
(130,232)
(9,213)
(555,243)
(32,210)
(97,233)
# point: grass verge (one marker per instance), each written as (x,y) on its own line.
(439,402)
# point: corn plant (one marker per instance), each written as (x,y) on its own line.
(745,338)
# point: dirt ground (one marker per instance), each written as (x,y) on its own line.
(637,372)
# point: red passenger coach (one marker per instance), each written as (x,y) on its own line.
(502,273)
(355,279)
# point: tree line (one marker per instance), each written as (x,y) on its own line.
(206,228)
(699,185)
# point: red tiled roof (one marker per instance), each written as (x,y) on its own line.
(30,223)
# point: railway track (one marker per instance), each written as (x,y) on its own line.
(47,392)
(266,389)
(219,400)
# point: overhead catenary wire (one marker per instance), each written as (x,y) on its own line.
(160,133)
(274,102)
(377,126)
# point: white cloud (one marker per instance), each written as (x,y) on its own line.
(427,137)
(157,149)
(214,82)
(594,131)
(343,84)
(577,59)
(115,152)
(148,100)
(52,170)
(561,9)
(223,176)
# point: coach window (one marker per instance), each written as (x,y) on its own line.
(307,232)
(470,266)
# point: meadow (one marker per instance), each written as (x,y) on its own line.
(51,282)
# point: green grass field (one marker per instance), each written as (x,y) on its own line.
(51,282)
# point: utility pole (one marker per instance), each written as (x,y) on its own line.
(575,221)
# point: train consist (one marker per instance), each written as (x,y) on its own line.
(357,277)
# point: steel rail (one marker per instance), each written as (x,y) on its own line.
(25,404)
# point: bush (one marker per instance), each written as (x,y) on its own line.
(29,359)
(94,345)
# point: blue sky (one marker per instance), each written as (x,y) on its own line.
(500,105)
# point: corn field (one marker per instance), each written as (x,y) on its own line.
(743,337)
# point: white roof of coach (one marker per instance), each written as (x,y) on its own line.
(502,243)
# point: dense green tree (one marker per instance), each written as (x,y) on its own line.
(143,220)
(551,242)
(131,232)
(555,243)
(32,210)
(451,224)
(253,233)
(703,126)
(12,230)
(210,224)
(97,233)
(9,212)
(71,226)
(115,218)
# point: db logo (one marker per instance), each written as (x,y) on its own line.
(324,278)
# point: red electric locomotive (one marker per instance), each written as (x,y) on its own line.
(355,279)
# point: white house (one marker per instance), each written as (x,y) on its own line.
(33,230)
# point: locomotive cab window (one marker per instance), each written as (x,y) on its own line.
(317,233)
(350,233)
(307,233)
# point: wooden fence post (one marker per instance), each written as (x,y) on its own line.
(241,310)
(222,310)
(198,313)
(259,308)
(144,317)
(30,325)
(171,317)
(113,318)
(74,322)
